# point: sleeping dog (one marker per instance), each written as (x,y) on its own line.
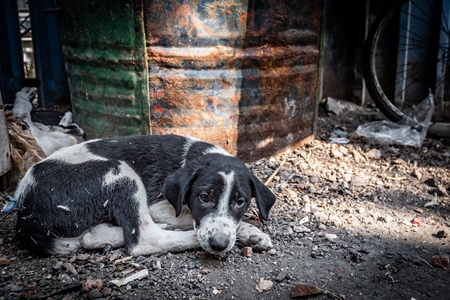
(152,194)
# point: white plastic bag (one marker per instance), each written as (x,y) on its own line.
(409,132)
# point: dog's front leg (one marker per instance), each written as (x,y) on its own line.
(155,240)
(249,235)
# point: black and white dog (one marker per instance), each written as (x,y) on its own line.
(139,191)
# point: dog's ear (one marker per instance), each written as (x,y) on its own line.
(264,197)
(176,187)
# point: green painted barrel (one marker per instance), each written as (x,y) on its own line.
(104,50)
(240,74)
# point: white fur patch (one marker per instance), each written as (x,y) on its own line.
(102,235)
(220,223)
(217,150)
(26,183)
(76,154)
(65,246)
(189,142)
(163,213)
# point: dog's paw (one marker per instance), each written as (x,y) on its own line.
(249,235)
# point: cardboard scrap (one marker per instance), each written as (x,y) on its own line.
(25,151)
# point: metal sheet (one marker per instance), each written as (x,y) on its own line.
(241,74)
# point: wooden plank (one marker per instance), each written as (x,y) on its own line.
(5,157)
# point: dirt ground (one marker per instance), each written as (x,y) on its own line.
(355,221)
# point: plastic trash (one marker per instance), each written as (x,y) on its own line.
(340,106)
(339,137)
(409,132)
(11,205)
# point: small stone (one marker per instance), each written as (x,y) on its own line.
(57,266)
(90,285)
(94,294)
(4,261)
(387,219)
(337,154)
(191,264)
(300,229)
(358,156)
(417,174)
(70,268)
(107,292)
(373,154)
(359,181)
(67,297)
(272,252)
(29,291)
(331,237)
(264,285)
(247,251)
(292,194)
(361,210)
(83,257)
(399,161)
(281,276)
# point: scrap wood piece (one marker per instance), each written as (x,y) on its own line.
(303,291)
(122,260)
(123,281)
(268,181)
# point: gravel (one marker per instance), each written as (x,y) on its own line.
(342,225)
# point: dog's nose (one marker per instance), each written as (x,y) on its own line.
(219,243)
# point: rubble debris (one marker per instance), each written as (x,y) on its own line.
(247,251)
(11,205)
(29,291)
(440,261)
(433,201)
(89,285)
(264,285)
(416,221)
(4,261)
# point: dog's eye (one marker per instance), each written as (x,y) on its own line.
(204,197)
(240,202)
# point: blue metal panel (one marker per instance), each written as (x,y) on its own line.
(11,58)
(50,70)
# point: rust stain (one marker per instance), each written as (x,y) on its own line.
(233,74)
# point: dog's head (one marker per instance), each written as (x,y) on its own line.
(218,190)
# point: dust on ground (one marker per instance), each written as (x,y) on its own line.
(355,221)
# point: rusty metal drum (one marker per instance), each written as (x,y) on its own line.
(240,74)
